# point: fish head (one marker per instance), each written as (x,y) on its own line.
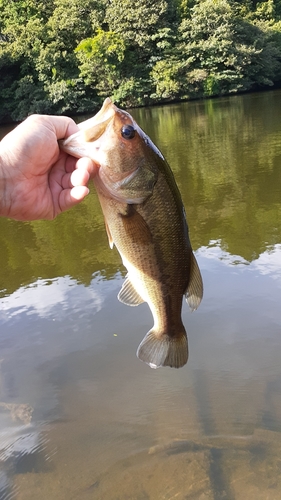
(127,159)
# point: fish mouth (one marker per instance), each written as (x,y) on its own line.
(93,127)
(131,187)
(90,130)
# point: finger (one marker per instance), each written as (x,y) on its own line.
(79,177)
(78,193)
(72,163)
(71,197)
(88,165)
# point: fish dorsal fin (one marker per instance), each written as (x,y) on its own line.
(110,239)
(194,292)
(128,294)
(135,226)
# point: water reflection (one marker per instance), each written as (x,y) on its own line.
(41,324)
(104,425)
(125,422)
(226,157)
(46,297)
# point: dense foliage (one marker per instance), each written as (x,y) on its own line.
(65,56)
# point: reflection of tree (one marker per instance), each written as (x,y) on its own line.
(225,155)
(74,244)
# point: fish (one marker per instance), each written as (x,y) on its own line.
(145,219)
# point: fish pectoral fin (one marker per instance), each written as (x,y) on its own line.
(128,294)
(110,239)
(194,292)
(135,226)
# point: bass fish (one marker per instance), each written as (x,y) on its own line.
(145,220)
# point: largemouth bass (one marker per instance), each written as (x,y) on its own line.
(145,220)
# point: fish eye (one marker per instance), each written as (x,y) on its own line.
(128,132)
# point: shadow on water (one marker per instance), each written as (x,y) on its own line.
(273,392)
(80,416)
(219,480)
(198,467)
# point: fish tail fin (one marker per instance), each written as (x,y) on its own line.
(163,350)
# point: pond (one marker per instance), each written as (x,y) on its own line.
(81,417)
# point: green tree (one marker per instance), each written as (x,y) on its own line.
(100,61)
(22,29)
(56,64)
(136,22)
(64,56)
(37,60)
(233,53)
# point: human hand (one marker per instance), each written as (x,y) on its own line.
(37,180)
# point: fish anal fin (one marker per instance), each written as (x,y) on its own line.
(163,350)
(110,239)
(128,294)
(194,292)
(135,226)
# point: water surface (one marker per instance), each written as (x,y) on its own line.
(80,416)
